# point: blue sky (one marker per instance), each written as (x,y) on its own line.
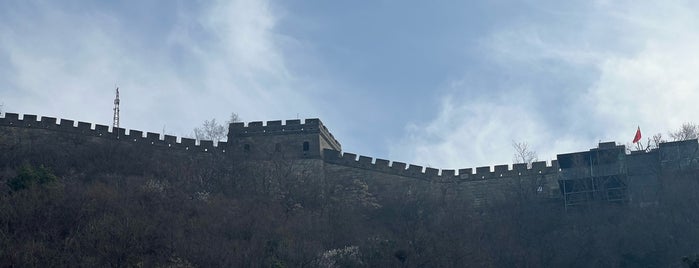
(446,84)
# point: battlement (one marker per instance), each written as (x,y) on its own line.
(95,130)
(292,126)
(253,129)
(436,175)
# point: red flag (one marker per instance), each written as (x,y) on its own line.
(638,135)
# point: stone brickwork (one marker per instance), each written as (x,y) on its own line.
(155,140)
(276,140)
(311,140)
(294,139)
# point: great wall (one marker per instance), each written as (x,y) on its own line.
(312,141)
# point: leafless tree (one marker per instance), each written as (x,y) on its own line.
(234,118)
(210,130)
(651,144)
(654,142)
(523,153)
(688,131)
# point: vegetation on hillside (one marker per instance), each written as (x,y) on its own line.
(72,201)
(114,220)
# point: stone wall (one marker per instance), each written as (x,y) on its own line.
(483,187)
(276,140)
(259,143)
(137,137)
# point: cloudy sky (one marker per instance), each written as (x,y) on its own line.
(447,84)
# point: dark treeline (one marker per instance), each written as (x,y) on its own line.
(110,205)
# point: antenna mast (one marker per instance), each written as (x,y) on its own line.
(116,109)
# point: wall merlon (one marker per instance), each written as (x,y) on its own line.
(135,134)
(9,119)
(48,122)
(431,172)
(382,165)
(171,140)
(501,169)
(29,120)
(84,127)
(312,122)
(414,169)
(153,137)
(187,142)
(365,161)
(206,145)
(398,166)
(255,127)
(483,173)
(67,124)
(349,158)
(100,129)
(519,167)
(382,162)
(119,132)
(274,125)
(539,166)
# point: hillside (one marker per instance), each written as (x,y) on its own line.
(71,199)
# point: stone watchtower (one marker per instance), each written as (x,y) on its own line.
(275,140)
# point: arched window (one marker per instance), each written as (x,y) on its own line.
(246,148)
(278,147)
(306,146)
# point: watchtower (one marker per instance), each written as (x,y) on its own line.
(275,140)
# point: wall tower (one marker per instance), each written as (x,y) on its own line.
(275,140)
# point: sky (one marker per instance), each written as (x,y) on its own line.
(445,84)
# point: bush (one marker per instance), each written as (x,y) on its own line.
(29,176)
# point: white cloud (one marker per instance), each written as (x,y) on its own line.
(217,58)
(644,59)
(479,132)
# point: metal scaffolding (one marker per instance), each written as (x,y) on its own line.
(597,176)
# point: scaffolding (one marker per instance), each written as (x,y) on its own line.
(594,177)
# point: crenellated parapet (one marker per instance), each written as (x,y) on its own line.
(30,121)
(436,175)
(293,126)
(258,134)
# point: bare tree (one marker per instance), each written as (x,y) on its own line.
(688,131)
(523,154)
(654,142)
(234,118)
(210,130)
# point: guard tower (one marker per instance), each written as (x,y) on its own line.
(596,176)
(275,140)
